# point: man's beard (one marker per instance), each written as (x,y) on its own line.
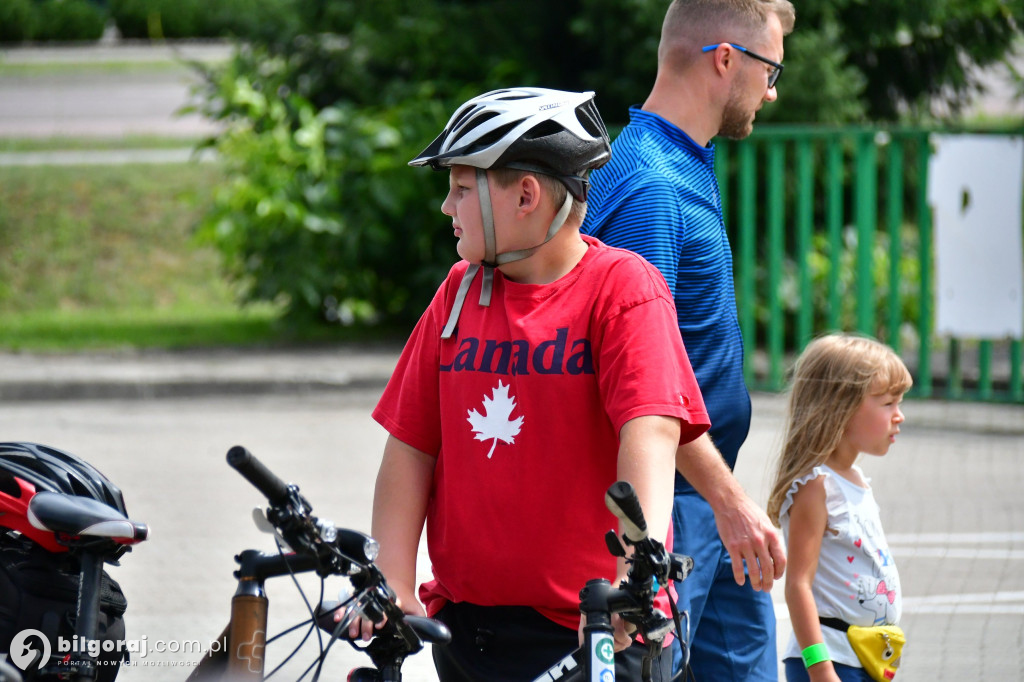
(737,122)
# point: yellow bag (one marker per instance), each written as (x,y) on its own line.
(878,647)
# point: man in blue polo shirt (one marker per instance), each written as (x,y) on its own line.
(718,61)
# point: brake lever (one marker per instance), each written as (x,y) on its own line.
(264,525)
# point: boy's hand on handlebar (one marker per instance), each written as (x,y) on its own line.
(364,628)
(621,632)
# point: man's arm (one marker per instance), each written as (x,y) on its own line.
(744,527)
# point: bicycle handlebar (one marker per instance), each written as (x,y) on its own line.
(330,550)
(622,501)
(272,487)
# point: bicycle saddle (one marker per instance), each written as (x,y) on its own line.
(79,516)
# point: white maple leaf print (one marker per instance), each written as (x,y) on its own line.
(494,423)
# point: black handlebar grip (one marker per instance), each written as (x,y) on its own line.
(275,490)
(622,501)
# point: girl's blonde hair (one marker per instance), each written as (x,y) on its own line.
(831,379)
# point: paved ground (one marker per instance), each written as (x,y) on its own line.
(159,425)
(139,93)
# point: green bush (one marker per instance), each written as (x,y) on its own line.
(69,20)
(156,19)
(131,17)
(177,19)
(159,19)
(323,111)
(321,213)
(17,21)
(258,19)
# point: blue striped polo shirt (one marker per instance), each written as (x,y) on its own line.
(658,196)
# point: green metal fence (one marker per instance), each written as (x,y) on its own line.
(831,230)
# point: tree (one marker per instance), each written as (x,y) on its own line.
(914,53)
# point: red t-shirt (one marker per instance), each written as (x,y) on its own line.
(523,407)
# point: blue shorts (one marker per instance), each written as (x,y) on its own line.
(732,628)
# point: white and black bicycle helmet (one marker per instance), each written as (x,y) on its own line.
(552,132)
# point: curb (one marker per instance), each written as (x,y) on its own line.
(37,391)
(149,375)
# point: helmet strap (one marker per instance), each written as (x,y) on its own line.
(483,190)
(490,258)
(460,299)
(554,227)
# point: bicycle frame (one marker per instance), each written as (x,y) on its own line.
(241,645)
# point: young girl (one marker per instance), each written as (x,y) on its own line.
(845,401)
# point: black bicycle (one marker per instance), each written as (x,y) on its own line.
(651,568)
(307,543)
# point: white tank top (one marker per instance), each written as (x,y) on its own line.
(856,581)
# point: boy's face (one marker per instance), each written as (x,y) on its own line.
(463,205)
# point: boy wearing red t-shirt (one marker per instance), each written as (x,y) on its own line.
(547,367)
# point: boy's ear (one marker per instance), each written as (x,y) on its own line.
(529,194)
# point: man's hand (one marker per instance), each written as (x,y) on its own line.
(744,527)
(750,537)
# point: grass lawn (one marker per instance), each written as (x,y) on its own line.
(35,70)
(104,257)
(76,330)
(48,144)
